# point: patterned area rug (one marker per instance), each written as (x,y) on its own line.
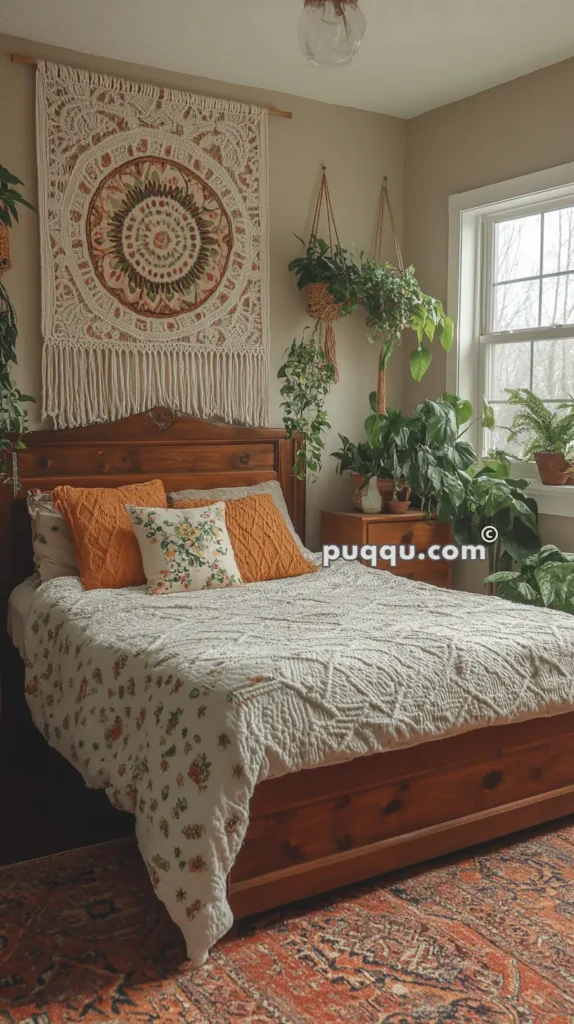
(482,938)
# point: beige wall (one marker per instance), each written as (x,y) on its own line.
(358,148)
(523,126)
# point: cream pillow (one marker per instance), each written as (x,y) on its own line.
(52,541)
(185,549)
(272,487)
(53,547)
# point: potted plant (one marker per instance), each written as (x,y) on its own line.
(550,435)
(389,433)
(371,486)
(545,579)
(13,417)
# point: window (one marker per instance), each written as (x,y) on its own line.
(511,288)
(528,310)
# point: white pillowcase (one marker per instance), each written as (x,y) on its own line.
(52,541)
(272,487)
(185,549)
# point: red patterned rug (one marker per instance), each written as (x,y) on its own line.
(487,937)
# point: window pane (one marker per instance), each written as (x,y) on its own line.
(557,300)
(553,371)
(559,240)
(508,367)
(516,305)
(517,248)
(498,438)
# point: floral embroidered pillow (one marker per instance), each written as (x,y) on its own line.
(185,549)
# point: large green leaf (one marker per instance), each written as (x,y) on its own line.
(445,333)
(420,361)
(441,424)
(488,419)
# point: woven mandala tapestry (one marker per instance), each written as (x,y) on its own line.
(153,216)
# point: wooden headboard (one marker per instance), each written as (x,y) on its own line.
(178,449)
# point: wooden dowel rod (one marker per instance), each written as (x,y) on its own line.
(18,59)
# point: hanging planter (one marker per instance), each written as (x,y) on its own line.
(394,302)
(329,273)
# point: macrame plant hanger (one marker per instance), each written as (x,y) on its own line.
(377,253)
(321,305)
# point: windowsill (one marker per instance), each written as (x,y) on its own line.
(552,501)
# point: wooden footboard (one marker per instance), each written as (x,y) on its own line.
(326,827)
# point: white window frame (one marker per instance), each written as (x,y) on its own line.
(470,215)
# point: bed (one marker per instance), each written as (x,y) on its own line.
(357,816)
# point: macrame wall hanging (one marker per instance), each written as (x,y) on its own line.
(154,233)
(385,203)
(321,305)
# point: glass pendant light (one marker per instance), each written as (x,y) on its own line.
(330,31)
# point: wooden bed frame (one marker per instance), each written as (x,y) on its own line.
(325,827)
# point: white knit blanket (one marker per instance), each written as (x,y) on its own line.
(179,705)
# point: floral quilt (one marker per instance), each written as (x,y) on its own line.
(178,705)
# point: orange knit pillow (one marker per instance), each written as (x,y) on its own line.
(107,551)
(262,544)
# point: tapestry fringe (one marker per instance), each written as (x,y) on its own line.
(97,385)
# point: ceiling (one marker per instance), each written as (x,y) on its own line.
(416,55)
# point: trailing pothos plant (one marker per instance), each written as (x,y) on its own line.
(13,415)
(307,379)
(545,579)
(392,299)
(394,302)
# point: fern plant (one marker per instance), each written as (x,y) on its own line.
(544,431)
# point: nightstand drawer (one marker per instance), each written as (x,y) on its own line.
(412,528)
(418,533)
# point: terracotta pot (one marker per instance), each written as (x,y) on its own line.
(553,468)
(386,492)
(397,508)
(400,504)
(366,497)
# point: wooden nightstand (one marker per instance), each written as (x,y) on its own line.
(410,528)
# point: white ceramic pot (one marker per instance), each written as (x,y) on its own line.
(366,498)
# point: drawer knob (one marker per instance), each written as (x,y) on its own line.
(244,459)
(492,780)
(407,537)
